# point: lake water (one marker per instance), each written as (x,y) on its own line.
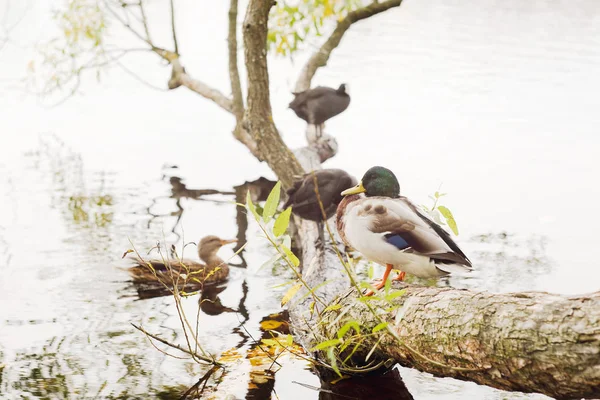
(496,101)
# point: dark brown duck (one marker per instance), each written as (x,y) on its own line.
(330,182)
(319,104)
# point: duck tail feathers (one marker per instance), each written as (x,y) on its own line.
(453,268)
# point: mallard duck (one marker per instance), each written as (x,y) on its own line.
(319,104)
(190,274)
(388,229)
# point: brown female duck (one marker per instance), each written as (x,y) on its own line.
(189,274)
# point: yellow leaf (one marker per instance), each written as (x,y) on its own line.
(449,219)
(291,256)
(230,356)
(290,293)
(127,252)
(282,222)
(269,325)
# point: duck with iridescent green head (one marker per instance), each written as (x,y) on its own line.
(387,228)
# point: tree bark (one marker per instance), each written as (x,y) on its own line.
(529,342)
(258,118)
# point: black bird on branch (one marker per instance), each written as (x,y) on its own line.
(303,198)
(319,104)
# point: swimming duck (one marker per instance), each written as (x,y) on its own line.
(319,104)
(388,229)
(190,274)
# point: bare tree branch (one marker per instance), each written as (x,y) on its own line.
(179,75)
(239,132)
(319,59)
(234,75)
(173,27)
(200,87)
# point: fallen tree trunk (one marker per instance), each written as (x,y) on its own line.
(528,342)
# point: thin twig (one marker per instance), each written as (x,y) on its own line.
(176,346)
(126,24)
(204,379)
(145,20)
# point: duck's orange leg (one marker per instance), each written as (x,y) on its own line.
(388,269)
(400,276)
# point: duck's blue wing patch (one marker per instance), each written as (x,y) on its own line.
(396,240)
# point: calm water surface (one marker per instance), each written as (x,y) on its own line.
(495,101)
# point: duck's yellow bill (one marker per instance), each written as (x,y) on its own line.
(354,190)
(224,242)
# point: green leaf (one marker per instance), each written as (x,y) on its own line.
(333,307)
(380,326)
(387,286)
(270,261)
(251,206)
(291,256)
(347,326)
(345,345)
(272,202)
(286,283)
(365,285)
(290,293)
(282,222)
(259,210)
(365,299)
(449,219)
(326,344)
(395,294)
(333,360)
